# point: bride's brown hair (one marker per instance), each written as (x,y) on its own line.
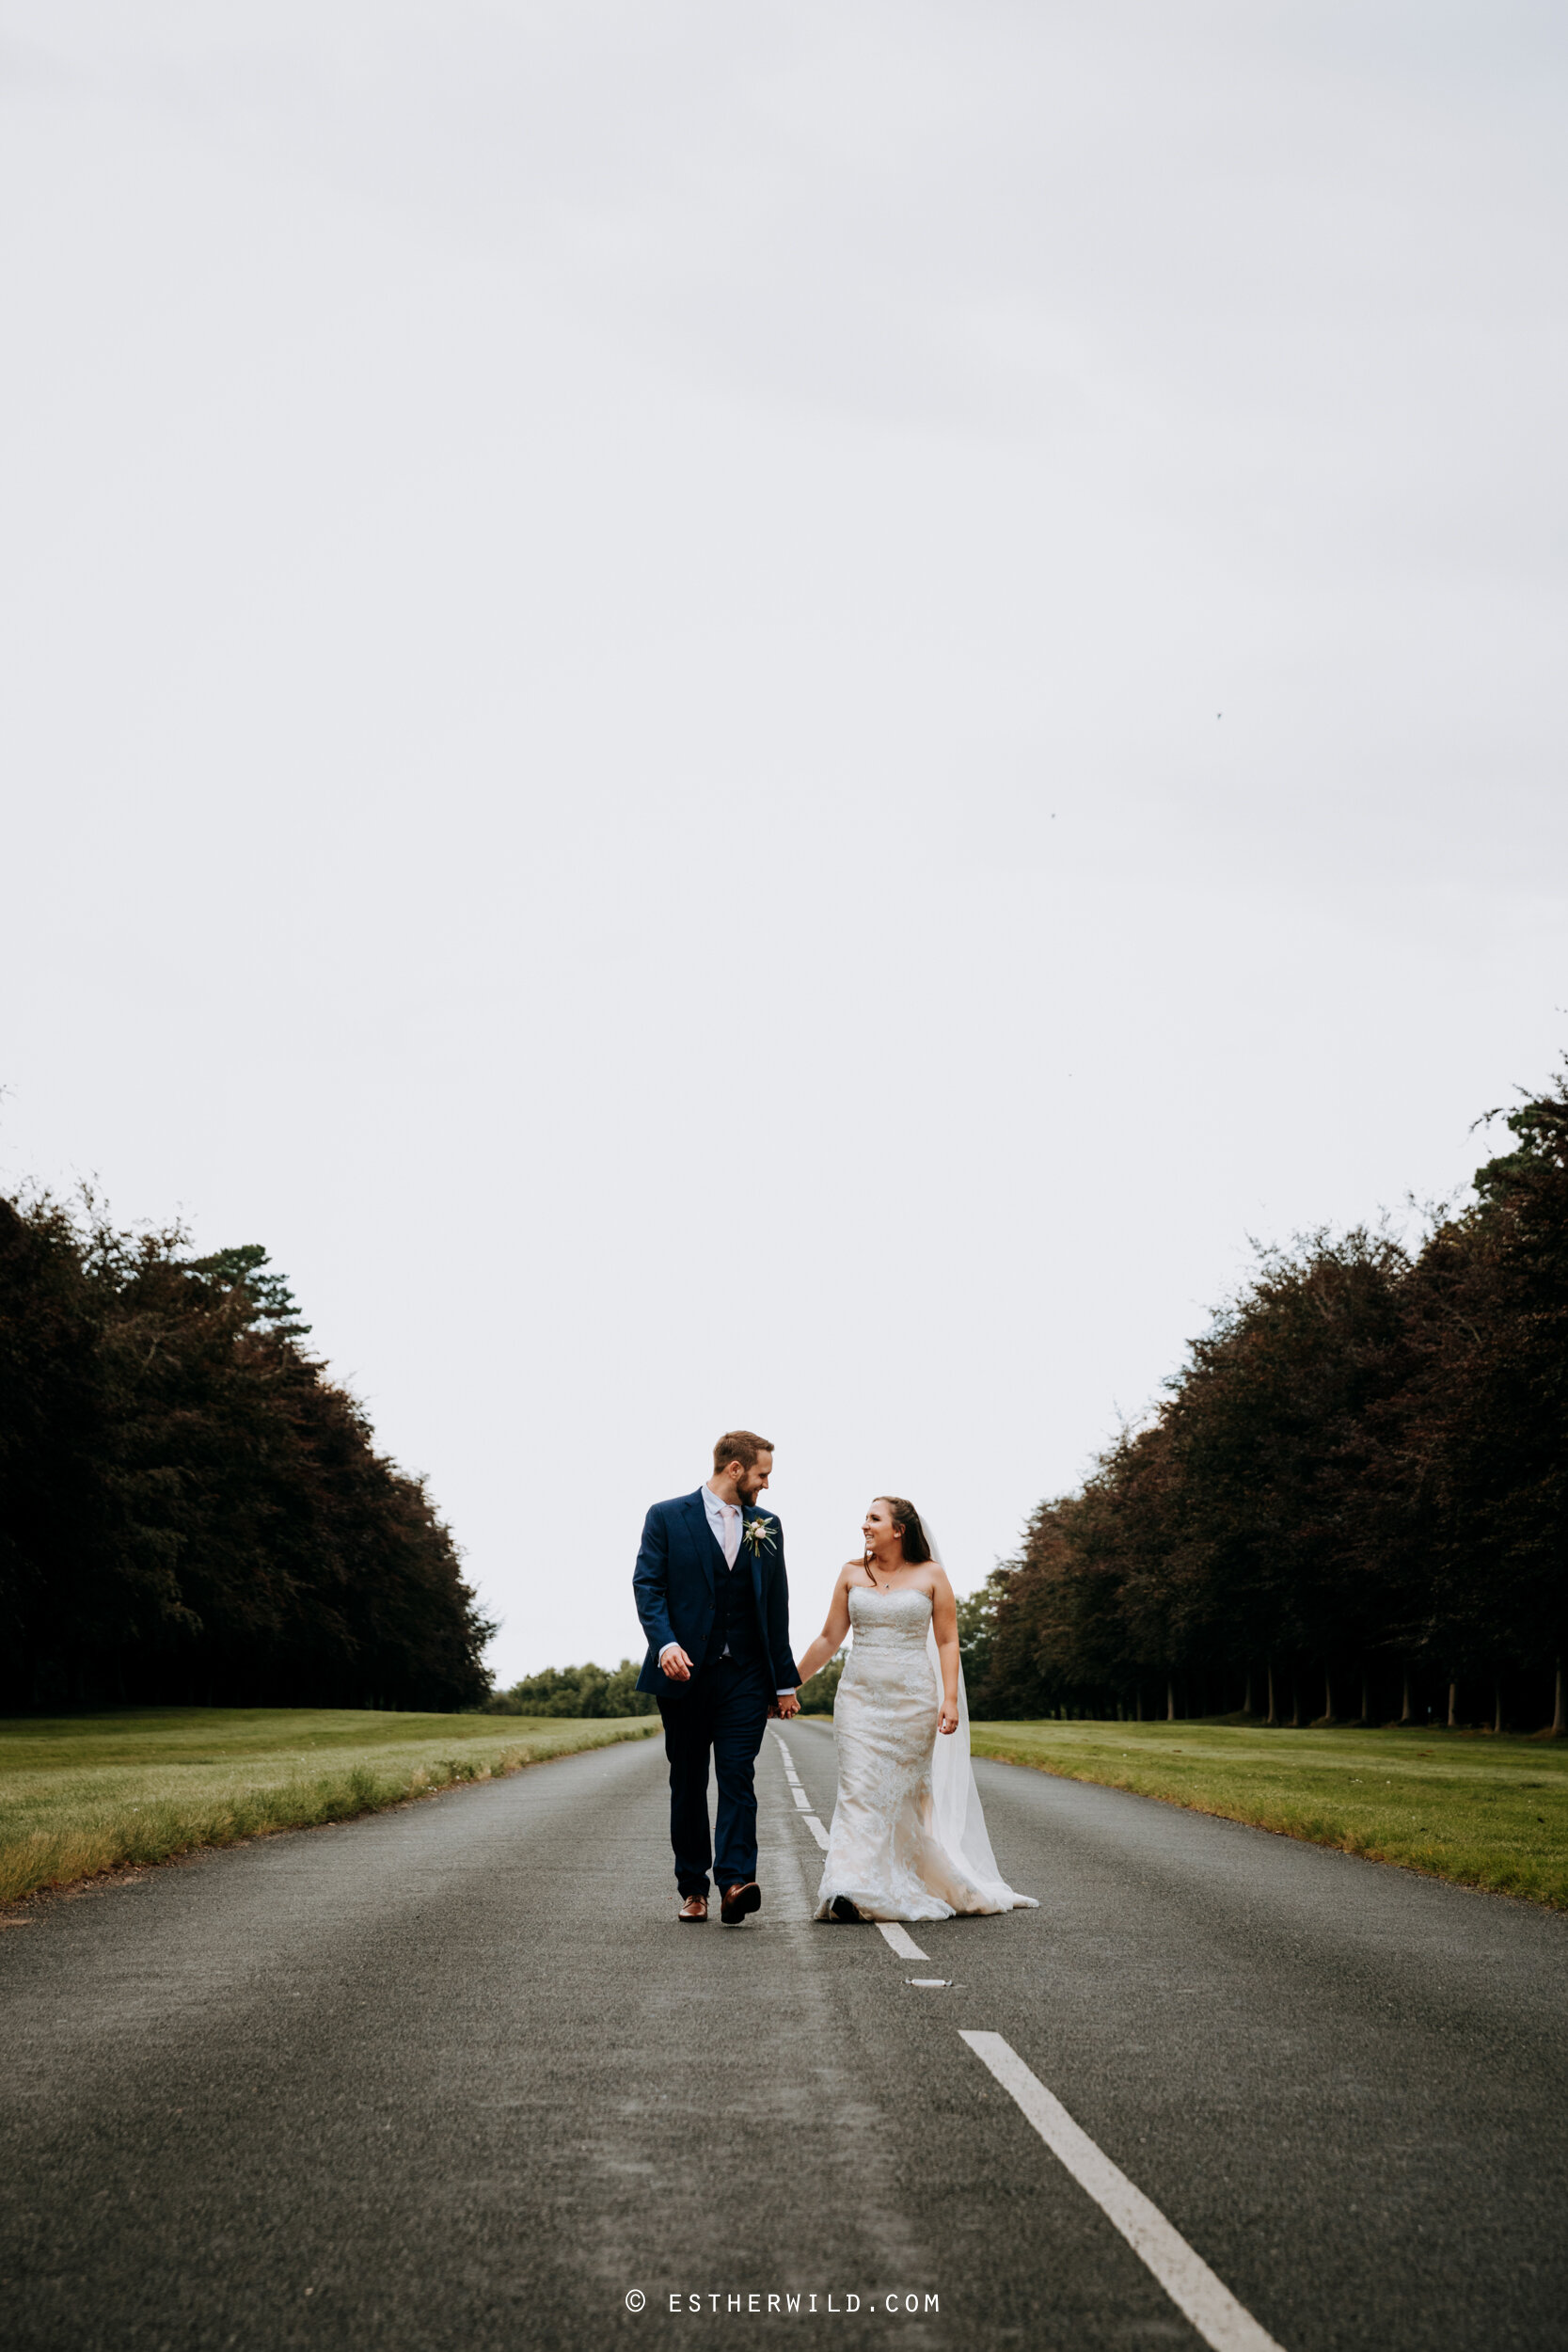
(907,1519)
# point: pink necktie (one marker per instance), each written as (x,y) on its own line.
(732,1535)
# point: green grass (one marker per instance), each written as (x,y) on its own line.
(1481,1811)
(80,1794)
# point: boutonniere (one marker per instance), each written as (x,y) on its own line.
(759,1532)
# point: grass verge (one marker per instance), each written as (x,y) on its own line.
(1480,1810)
(87,1793)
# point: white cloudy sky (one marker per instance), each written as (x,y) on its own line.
(617,620)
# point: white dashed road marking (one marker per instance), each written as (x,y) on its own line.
(1223,2323)
(901,1940)
(1220,2320)
(802,1802)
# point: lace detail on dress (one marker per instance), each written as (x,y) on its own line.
(883,1850)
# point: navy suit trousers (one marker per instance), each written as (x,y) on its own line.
(722,1712)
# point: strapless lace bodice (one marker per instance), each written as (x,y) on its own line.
(889,1619)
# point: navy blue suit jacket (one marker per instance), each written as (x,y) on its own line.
(673,1581)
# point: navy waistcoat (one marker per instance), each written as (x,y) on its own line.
(735,1615)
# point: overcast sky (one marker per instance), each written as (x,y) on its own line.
(771,713)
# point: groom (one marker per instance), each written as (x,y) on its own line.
(714,1601)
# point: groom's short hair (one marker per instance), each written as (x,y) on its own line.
(742,1446)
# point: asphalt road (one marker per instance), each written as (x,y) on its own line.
(453,2078)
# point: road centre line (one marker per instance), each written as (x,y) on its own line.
(901,1940)
(1223,2323)
(802,1803)
(897,1938)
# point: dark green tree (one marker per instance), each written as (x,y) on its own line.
(576,1691)
(244,1269)
(190,1511)
(1352,1500)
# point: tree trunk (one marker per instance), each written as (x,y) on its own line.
(1273,1711)
(1453,1706)
(1328,1696)
(1170,1700)
(1246,1703)
(1295,1704)
(1138,1704)
(1559,1726)
(1366,1696)
(1404,1710)
(1497,1703)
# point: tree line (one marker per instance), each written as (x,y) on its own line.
(581,1691)
(598,1690)
(191,1511)
(1352,1504)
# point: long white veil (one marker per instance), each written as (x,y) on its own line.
(960,1821)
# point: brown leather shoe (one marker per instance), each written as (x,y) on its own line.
(737,1901)
(694,1911)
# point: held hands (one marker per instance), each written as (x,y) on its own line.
(675,1666)
(948,1719)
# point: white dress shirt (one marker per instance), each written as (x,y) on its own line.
(726,1520)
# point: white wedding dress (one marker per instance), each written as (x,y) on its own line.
(909,1838)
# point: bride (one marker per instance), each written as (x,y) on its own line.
(909,1838)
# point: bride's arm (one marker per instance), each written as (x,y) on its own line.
(944,1625)
(834,1633)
